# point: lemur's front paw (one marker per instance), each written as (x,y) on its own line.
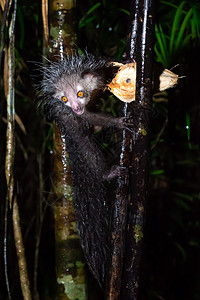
(126,123)
(116,171)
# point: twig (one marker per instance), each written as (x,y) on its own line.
(10,145)
(24,280)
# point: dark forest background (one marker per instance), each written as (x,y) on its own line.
(171,260)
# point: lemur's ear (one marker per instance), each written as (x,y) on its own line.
(91,79)
(90,74)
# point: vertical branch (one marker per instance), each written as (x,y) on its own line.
(140,49)
(69,258)
(10,146)
(135,152)
(39,222)
(41,209)
(45,21)
(25,285)
(119,219)
(9,166)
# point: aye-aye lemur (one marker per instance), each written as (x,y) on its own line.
(67,88)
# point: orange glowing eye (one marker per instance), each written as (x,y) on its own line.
(64,99)
(80,94)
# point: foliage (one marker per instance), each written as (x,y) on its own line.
(100,23)
(172,39)
(173,224)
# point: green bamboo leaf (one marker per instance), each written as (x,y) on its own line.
(188,163)
(157,172)
(175,25)
(193,28)
(125,11)
(86,20)
(163,38)
(181,250)
(195,22)
(161,42)
(186,40)
(159,56)
(183,196)
(93,8)
(183,205)
(182,29)
(169,4)
(172,5)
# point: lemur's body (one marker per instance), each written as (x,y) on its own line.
(67,88)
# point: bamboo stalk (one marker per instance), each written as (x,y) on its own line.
(70,263)
(141,50)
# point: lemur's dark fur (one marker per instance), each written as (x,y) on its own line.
(67,88)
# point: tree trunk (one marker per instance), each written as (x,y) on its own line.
(70,266)
(141,50)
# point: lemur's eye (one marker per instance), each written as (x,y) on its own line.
(80,94)
(64,98)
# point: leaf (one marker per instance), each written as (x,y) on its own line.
(93,8)
(161,39)
(195,23)
(159,56)
(183,196)
(86,20)
(181,250)
(182,29)
(125,11)
(169,3)
(175,26)
(157,172)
